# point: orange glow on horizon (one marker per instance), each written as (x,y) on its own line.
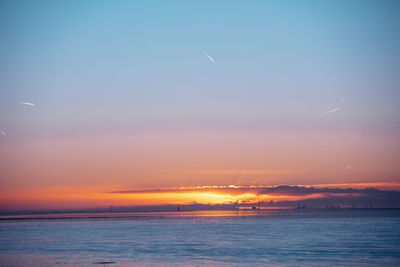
(91,197)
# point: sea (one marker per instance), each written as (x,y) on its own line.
(365,237)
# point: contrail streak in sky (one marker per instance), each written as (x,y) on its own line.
(330,111)
(3,133)
(27,103)
(210,58)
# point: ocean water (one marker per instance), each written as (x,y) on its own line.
(246,238)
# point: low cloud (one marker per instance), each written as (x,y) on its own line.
(290,196)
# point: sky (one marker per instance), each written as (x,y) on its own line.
(103,96)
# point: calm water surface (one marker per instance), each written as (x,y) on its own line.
(253,238)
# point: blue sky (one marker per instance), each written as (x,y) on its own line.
(92,63)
